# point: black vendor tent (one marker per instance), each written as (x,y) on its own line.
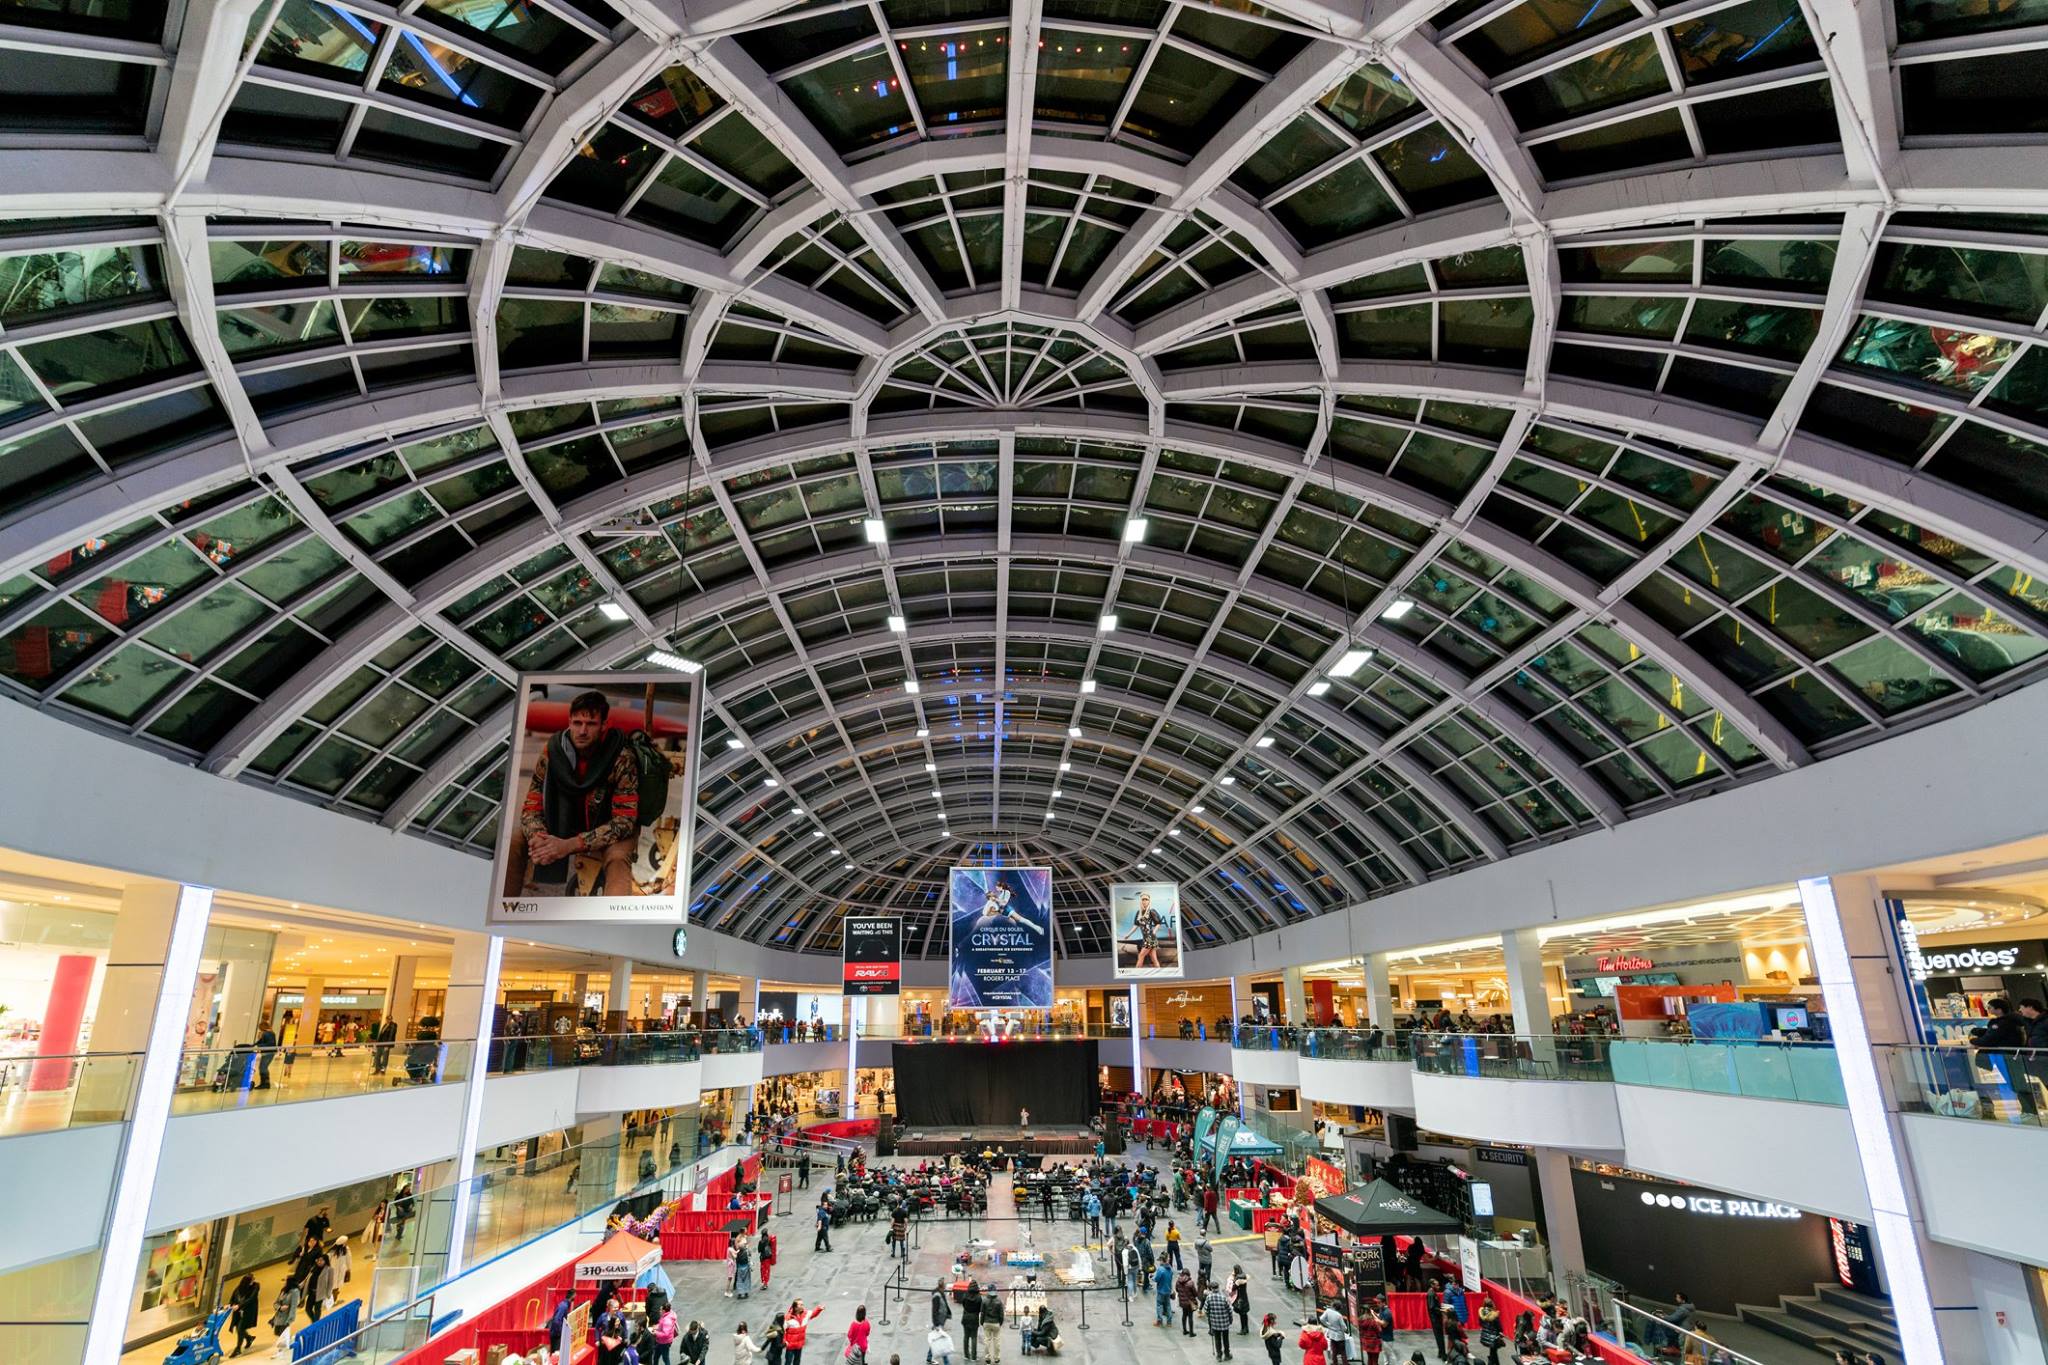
(1371,1209)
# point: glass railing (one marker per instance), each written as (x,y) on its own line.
(1513,1056)
(41,1094)
(1265,1037)
(733,1040)
(241,1077)
(1759,1069)
(1653,1338)
(1963,1083)
(988,1030)
(547,1052)
(1351,1045)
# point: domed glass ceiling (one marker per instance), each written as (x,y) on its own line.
(1301,451)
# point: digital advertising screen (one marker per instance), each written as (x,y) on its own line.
(1001,921)
(1144,920)
(873,954)
(603,770)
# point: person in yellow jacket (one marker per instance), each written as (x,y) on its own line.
(1173,1244)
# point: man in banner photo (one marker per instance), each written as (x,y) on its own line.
(1145,926)
(1001,938)
(601,775)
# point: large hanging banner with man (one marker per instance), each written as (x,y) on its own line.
(603,774)
(1144,921)
(1002,938)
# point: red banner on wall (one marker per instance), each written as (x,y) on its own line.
(1328,1178)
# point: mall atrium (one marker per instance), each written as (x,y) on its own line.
(1427,607)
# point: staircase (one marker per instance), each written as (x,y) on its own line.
(1828,1320)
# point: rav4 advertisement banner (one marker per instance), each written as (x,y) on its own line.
(1001,938)
(873,947)
(603,770)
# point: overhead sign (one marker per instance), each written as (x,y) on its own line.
(1001,923)
(1144,919)
(1971,958)
(1625,962)
(873,947)
(1718,1207)
(603,772)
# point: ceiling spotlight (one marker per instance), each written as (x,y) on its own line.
(1048,815)
(938,795)
(942,815)
(662,658)
(910,686)
(1066,767)
(1134,530)
(771,782)
(923,733)
(931,767)
(1174,832)
(1087,685)
(1350,662)
(1141,867)
(735,744)
(876,530)
(1264,742)
(1108,622)
(1318,689)
(817,834)
(1056,793)
(897,625)
(849,867)
(1073,732)
(611,611)
(1227,782)
(1397,609)
(835,853)
(1197,810)
(1155,848)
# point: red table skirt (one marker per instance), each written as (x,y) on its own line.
(1411,1311)
(843,1128)
(677,1245)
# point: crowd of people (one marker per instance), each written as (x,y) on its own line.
(318,1269)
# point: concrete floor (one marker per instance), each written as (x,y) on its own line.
(858,1268)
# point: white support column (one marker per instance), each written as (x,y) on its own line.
(1293,996)
(468,1013)
(152,970)
(1528,997)
(700,990)
(618,999)
(398,991)
(241,1005)
(1560,1212)
(1137,1044)
(1856,965)
(1379,992)
(309,1010)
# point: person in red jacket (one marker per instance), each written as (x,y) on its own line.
(1209,1202)
(796,1326)
(857,1336)
(1314,1350)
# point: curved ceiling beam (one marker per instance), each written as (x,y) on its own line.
(793,836)
(1249,795)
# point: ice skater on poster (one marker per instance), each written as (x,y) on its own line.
(1001,938)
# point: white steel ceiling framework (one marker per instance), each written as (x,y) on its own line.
(1296,451)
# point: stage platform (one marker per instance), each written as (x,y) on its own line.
(1065,1139)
